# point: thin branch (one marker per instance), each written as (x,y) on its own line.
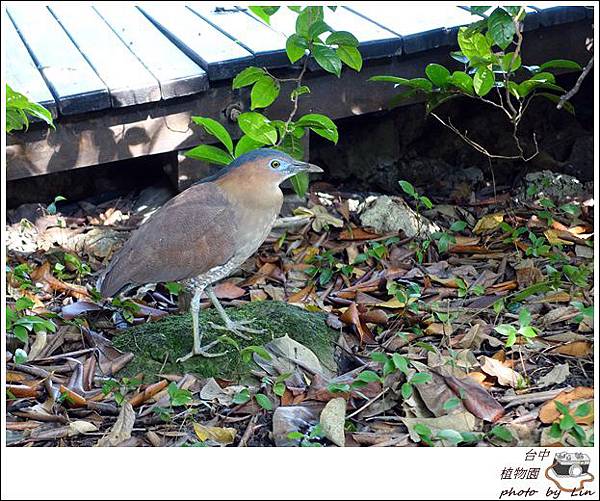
(295,98)
(564,98)
(482,149)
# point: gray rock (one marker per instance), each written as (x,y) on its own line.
(392,214)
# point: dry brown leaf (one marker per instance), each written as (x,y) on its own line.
(575,349)
(224,436)
(122,428)
(549,413)
(488,222)
(352,317)
(506,376)
(228,290)
(475,398)
(43,274)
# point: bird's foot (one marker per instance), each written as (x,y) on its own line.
(201,352)
(237,327)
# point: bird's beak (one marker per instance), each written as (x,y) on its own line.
(306,167)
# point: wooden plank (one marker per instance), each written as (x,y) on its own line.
(267,45)
(218,54)
(176,73)
(75,85)
(165,126)
(422,27)
(552,15)
(374,41)
(22,73)
(128,81)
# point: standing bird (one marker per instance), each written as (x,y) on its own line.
(205,233)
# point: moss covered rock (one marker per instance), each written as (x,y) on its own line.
(157,345)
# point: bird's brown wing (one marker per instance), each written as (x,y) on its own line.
(185,238)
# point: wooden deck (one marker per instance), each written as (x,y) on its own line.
(123,80)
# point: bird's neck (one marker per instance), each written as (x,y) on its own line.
(253,194)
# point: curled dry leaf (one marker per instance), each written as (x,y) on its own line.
(44,275)
(476,398)
(122,428)
(506,376)
(352,317)
(488,222)
(223,436)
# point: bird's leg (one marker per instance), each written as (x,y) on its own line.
(235,326)
(198,349)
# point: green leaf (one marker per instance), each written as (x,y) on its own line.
(437,73)
(555,431)
(501,28)
(264,401)
(327,59)
(246,144)
(560,63)
(241,397)
(321,125)
(481,9)
(400,362)
(299,91)
(295,46)
(350,56)
(508,65)
(420,378)
(483,81)
(307,18)
(463,81)
(257,127)
(406,390)
(474,46)
(451,403)
(458,226)
(408,188)
(567,422)
(342,38)
(21,333)
(422,430)
(264,92)
(459,56)
(20,356)
(216,129)
(300,183)
(279,388)
(567,106)
(368,377)
(502,432)
(528,332)
(505,329)
(23,303)
(210,154)
(438,99)
(178,396)
(560,407)
(524,317)
(318,28)
(247,77)
(451,436)
(264,13)
(338,387)
(537,80)
(248,351)
(583,410)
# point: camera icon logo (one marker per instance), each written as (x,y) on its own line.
(567,464)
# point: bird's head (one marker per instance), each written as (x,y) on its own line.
(271,164)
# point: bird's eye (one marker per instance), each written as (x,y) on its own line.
(275,164)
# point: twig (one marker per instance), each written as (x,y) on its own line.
(564,98)
(374,399)
(482,150)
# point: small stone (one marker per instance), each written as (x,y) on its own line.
(332,421)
